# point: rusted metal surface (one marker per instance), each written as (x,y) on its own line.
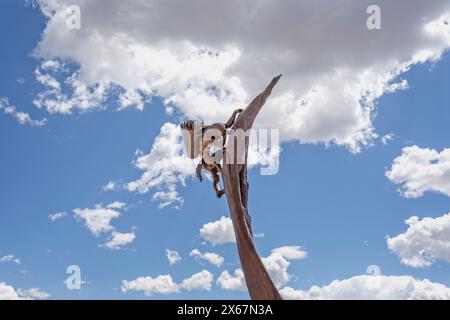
(234,176)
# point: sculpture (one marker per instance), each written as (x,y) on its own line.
(211,136)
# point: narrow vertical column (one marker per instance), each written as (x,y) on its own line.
(234,176)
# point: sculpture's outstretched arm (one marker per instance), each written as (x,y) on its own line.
(247,117)
(230,121)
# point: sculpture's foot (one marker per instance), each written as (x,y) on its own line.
(198,171)
(220,193)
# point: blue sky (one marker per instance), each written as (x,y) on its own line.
(337,205)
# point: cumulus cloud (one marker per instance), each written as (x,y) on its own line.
(168,197)
(207,64)
(210,257)
(424,242)
(232,282)
(116,205)
(70,93)
(172,256)
(203,66)
(33,294)
(387,138)
(57,215)
(419,170)
(372,287)
(10,258)
(291,252)
(199,281)
(118,240)
(98,219)
(164,167)
(164,284)
(8,292)
(110,186)
(218,232)
(22,118)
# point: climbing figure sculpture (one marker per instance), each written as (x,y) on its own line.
(212,139)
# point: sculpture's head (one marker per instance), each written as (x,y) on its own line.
(191,125)
(192,136)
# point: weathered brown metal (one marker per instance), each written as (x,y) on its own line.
(234,176)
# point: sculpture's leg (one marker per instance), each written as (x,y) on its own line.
(198,171)
(216,179)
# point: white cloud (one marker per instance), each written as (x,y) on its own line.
(116,205)
(57,215)
(22,118)
(210,257)
(206,68)
(268,158)
(291,252)
(218,232)
(33,294)
(52,65)
(328,95)
(168,197)
(199,281)
(118,240)
(8,292)
(164,167)
(97,220)
(276,264)
(370,287)
(420,170)
(110,186)
(424,242)
(161,284)
(229,282)
(172,256)
(10,258)
(387,138)
(70,93)
(164,284)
